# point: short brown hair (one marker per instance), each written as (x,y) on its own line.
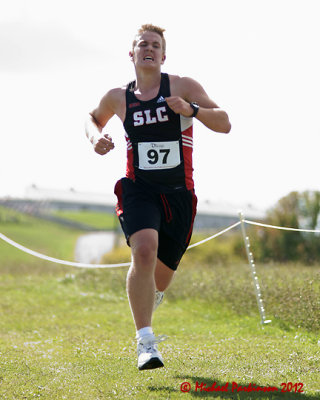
(150,28)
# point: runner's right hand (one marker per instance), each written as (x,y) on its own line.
(103,144)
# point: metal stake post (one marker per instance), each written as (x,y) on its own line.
(253,272)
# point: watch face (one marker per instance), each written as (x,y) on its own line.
(195,107)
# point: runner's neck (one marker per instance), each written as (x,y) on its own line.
(147,85)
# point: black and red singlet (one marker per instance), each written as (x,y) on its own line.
(159,142)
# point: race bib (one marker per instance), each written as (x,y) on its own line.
(158,155)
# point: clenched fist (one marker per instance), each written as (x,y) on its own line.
(103,144)
(179,106)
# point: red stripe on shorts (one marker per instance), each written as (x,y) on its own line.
(194,211)
(118,193)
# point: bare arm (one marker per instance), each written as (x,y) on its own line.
(187,90)
(109,105)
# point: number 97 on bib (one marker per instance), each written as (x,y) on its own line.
(159,155)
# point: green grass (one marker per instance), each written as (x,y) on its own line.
(44,237)
(67,333)
(70,335)
(98,220)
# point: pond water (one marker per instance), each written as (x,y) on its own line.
(92,246)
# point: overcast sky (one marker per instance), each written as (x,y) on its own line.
(259,60)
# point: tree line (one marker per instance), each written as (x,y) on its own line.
(296,210)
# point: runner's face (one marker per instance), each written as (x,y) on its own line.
(148,51)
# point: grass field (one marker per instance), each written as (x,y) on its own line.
(67,333)
(97,220)
(39,235)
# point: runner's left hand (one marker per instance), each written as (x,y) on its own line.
(179,106)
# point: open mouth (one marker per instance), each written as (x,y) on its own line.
(148,58)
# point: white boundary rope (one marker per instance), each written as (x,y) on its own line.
(214,236)
(281,227)
(126,264)
(56,260)
(84,265)
(254,275)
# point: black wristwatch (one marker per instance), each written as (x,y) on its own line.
(195,107)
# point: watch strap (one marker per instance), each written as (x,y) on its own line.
(195,107)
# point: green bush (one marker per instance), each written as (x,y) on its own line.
(223,250)
(296,210)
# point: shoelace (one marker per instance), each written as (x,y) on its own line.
(160,338)
(148,346)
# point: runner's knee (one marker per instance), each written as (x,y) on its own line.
(144,252)
(144,247)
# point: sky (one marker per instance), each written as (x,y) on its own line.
(258,60)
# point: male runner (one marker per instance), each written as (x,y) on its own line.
(156,200)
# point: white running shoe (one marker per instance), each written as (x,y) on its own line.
(158,299)
(148,354)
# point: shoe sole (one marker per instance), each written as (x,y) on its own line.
(153,363)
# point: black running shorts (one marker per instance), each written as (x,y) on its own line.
(171,214)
